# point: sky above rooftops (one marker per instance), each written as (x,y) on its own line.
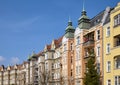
(28,25)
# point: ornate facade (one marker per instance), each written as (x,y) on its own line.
(63,62)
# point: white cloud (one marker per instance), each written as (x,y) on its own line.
(15,60)
(2,59)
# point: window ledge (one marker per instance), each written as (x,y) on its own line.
(116,25)
(108,72)
(117,69)
(108,53)
(115,47)
(107,36)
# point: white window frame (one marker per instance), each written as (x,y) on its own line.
(108,82)
(78,40)
(108,66)
(65,47)
(98,50)
(116,80)
(117,63)
(107,31)
(108,48)
(46,56)
(98,68)
(117,20)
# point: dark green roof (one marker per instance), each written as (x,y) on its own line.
(84,21)
(69,32)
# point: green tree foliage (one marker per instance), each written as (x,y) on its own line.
(91,75)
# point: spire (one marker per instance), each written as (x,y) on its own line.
(69,22)
(69,32)
(83,5)
(33,53)
(84,21)
(83,11)
(69,19)
(29,57)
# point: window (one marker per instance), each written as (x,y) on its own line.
(71,59)
(46,66)
(98,68)
(117,20)
(108,82)
(117,80)
(52,65)
(117,62)
(71,72)
(117,40)
(98,50)
(98,34)
(46,56)
(78,40)
(52,55)
(65,48)
(77,83)
(78,68)
(108,48)
(108,31)
(71,46)
(52,75)
(77,55)
(108,66)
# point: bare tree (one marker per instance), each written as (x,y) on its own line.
(62,80)
(44,77)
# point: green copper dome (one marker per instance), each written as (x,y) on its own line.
(69,32)
(29,58)
(84,21)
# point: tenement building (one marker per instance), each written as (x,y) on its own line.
(64,60)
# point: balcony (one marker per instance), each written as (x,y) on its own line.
(89,39)
(117,41)
(88,43)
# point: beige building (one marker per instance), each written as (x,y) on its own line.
(63,61)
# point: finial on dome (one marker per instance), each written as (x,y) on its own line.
(83,5)
(69,19)
(69,22)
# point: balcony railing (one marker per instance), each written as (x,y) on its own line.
(88,42)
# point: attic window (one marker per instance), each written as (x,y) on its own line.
(96,21)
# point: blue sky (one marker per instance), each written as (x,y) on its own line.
(28,25)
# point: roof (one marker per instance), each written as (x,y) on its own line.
(97,19)
(49,47)
(108,17)
(40,53)
(58,42)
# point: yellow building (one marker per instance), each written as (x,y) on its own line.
(112,48)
